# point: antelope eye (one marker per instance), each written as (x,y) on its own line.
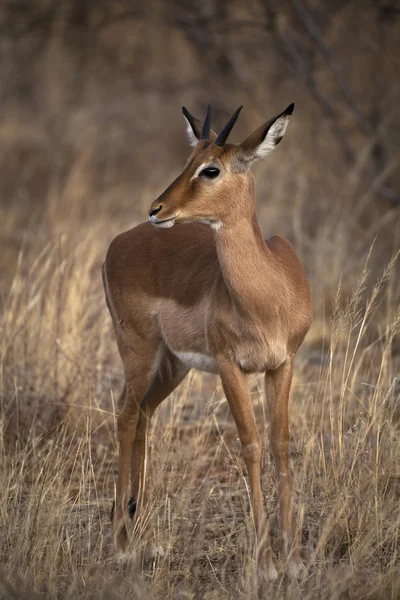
(210,172)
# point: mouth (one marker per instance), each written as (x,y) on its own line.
(163,223)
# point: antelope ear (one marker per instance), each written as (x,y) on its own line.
(265,138)
(194,127)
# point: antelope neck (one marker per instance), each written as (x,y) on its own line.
(246,262)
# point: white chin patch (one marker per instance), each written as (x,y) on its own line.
(163,224)
(166,224)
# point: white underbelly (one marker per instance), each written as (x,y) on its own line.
(195,360)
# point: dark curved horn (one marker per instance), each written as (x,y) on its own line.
(223,136)
(205,132)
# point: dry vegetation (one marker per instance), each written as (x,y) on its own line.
(90,133)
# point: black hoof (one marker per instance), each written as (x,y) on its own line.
(131,509)
(112,512)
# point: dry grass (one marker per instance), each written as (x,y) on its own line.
(88,139)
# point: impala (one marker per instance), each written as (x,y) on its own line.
(213,295)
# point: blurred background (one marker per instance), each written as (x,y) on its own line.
(91,125)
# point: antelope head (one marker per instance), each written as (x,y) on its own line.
(216,181)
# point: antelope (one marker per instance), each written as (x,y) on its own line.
(213,295)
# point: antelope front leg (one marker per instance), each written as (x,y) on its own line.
(136,384)
(169,376)
(127,421)
(236,390)
(277,387)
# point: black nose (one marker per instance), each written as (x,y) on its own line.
(153,212)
